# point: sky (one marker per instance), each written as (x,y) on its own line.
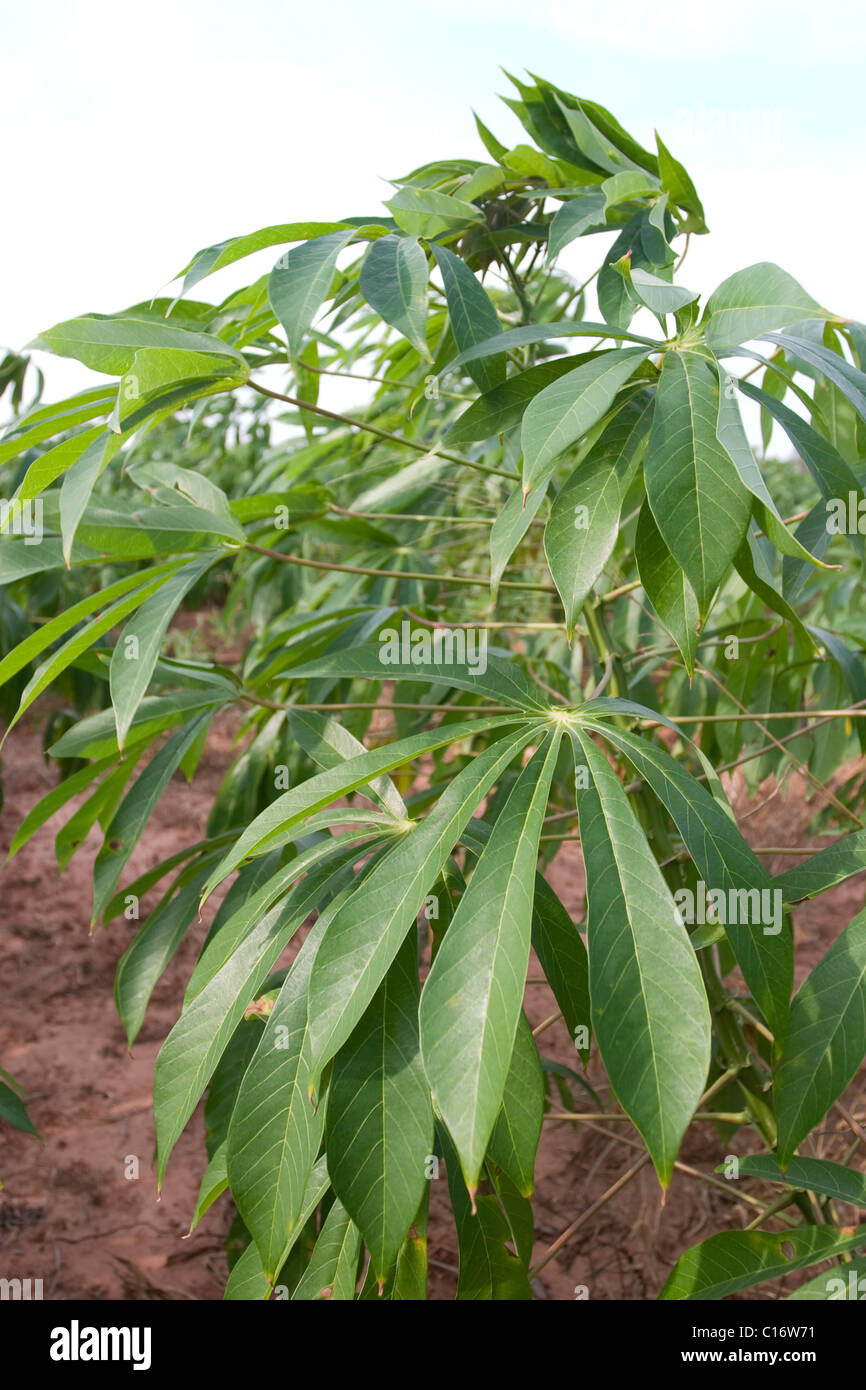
(136,134)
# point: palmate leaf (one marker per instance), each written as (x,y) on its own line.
(849,380)
(379,1122)
(725,860)
(650,1011)
(393,657)
(530,333)
(699,504)
(471,1001)
(826,1039)
(319,791)
(503,406)
(736,1260)
(364,937)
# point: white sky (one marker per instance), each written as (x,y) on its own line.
(136,134)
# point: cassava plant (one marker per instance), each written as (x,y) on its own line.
(491,594)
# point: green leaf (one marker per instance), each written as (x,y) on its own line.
(471,1001)
(137,649)
(48,633)
(562,955)
(840,1282)
(394,283)
(811,1174)
(333,1268)
(700,506)
(514,1141)
(58,661)
(473,317)
(753,300)
(575,218)
(213,1184)
(502,407)
(508,530)
(666,587)
(274,1133)
(300,281)
(145,959)
(379,1122)
(732,437)
(108,344)
(726,862)
(529,333)
(78,484)
(489,1271)
(565,411)
(95,737)
(52,802)
(212,258)
(826,1039)
(364,937)
(680,189)
(424,212)
(128,822)
(584,520)
(850,380)
(650,1011)
(14,1111)
(736,1260)
(825,869)
(411,655)
(659,295)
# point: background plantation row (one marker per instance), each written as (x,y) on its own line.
(661,603)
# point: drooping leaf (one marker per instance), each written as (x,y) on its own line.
(394,283)
(650,1011)
(299,284)
(379,1122)
(471,1001)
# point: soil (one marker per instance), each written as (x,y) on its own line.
(72,1211)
